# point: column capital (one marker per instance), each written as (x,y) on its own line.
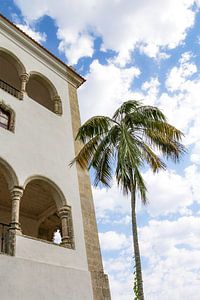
(56,98)
(64,211)
(24,77)
(16,192)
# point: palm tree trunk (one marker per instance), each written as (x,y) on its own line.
(136,248)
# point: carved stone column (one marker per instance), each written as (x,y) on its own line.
(66,224)
(57,105)
(24,79)
(15,228)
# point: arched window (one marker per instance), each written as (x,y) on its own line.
(42,91)
(11,70)
(8,179)
(42,210)
(7,117)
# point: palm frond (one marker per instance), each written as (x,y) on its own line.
(165,129)
(122,176)
(128,156)
(85,155)
(140,185)
(170,148)
(103,170)
(151,113)
(151,158)
(108,140)
(129,148)
(122,144)
(126,108)
(97,125)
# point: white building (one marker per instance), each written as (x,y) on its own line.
(39,193)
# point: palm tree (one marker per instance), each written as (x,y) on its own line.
(120,146)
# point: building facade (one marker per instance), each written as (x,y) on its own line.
(40,195)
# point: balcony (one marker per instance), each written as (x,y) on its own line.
(3,237)
(10,89)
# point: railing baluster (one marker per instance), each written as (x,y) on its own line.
(10,89)
(3,233)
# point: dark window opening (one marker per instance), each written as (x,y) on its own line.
(4,119)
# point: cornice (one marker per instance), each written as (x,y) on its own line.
(39,52)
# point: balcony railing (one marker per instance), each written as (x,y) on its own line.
(3,237)
(10,89)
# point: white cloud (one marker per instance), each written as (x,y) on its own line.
(110,200)
(168,193)
(150,91)
(192,173)
(75,46)
(195,153)
(121,279)
(150,25)
(172,250)
(172,269)
(112,241)
(178,75)
(106,88)
(126,220)
(36,35)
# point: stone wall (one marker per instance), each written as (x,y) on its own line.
(100,282)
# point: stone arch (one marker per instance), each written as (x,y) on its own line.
(14,59)
(58,195)
(39,208)
(11,72)
(8,180)
(42,90)
(8,172)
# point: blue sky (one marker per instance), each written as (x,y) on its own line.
(145,50)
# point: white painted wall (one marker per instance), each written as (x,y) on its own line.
(43,145)
(22,279)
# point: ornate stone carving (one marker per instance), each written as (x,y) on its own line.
(16,194)
(11,112)
(67,227)
(57,105)
(73,79)
(24,79)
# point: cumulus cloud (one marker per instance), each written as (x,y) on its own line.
(168,193)
(106,88)
(112,240)
(171,270)
(178,75)
(149,25)
(110,200)
(121,279)
(39,37)
(172,251)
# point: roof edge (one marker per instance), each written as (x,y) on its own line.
(75,78)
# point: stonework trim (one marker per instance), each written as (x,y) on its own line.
(57,105)
(16,195)
(100,283)
(8,109)
(65,214)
